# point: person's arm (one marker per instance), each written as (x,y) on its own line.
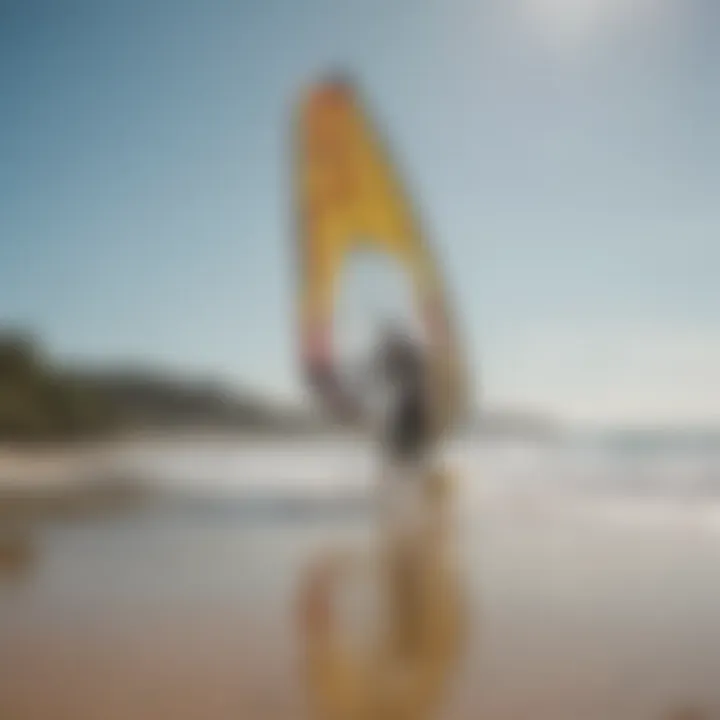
(335,394)
(321,373)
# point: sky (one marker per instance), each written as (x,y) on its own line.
(565,155)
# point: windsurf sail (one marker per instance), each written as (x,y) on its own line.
(350,198)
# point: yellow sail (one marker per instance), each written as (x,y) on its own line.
(350,198)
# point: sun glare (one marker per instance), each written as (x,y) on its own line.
(579,22)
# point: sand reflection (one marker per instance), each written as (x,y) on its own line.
(396,654)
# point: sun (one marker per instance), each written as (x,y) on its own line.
(580,22)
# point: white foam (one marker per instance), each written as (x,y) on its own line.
(616,485)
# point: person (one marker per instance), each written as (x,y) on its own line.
(397,371)
(402,367)
(398,376)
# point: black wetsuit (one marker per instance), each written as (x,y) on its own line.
(409,427)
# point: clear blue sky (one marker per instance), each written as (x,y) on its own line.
(566,154)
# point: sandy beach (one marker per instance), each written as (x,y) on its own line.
(578,609)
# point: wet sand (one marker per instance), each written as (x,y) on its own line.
(575,614)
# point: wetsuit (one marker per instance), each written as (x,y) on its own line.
(408,430)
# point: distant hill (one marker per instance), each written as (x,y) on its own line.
(37,402)
(40,399)
(150,397)
(154,399)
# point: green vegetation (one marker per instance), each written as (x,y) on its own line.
(37,402)
(40,401)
